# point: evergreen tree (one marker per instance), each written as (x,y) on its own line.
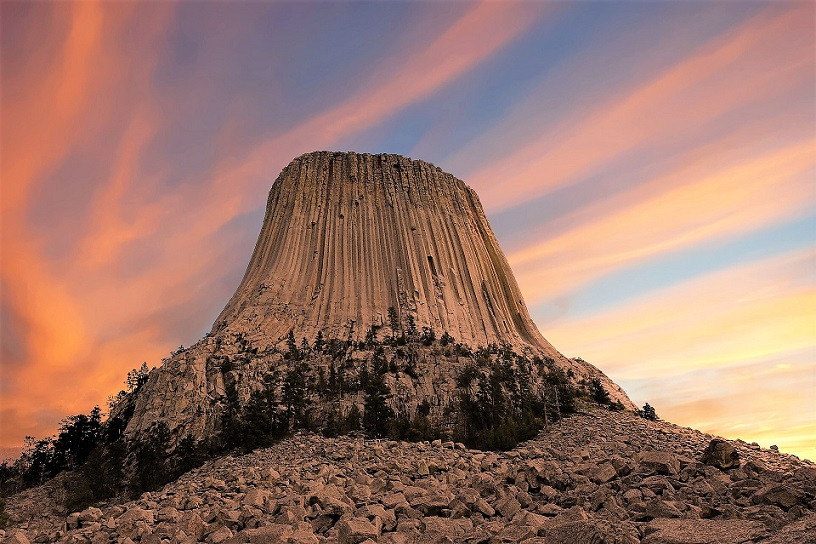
(648,412)
(341,381)
(231,428)
(412,329)
(136,378)
(394,323)
(377,411)
(319,343)
(364,376)
(322,386)
(150,455)
(188,455)
(333,388)
(292,352)
(352,419)
(597,391)
(295,396)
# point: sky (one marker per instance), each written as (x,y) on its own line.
(649,169)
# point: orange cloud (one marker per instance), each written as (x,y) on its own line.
(41,127)
(773,52)
(774,299)
(54,102)
(731,348)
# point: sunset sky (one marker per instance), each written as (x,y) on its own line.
(649,169)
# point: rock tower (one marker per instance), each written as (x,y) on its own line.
(355,246)
(347,236)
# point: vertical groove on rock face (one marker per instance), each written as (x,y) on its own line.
(346,236)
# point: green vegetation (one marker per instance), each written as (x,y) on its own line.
(502,398)
(648,412)
(597,392)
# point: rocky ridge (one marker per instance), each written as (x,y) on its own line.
(599,476)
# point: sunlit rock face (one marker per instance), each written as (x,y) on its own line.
(347,236)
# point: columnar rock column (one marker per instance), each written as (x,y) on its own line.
(347,235)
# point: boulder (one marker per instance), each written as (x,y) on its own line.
(602,473)
(721,454)
(661,462)
(780,495)
(508,507)
(356,530)
(16,537)
(702,531)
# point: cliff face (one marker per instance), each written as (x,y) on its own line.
(347,236)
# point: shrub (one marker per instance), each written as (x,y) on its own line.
(617,406)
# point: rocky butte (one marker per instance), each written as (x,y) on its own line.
(346,238)
(376,377)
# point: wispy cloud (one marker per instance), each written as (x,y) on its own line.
(147,242)
(680,100)
(677,210)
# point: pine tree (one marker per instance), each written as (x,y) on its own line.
(333,385)
(150,457)
(291,347)
(364,376)
(352,419)
(597,391)
(231,428)
(412,329)
(394,322)
(295,396)
(377,412)
(648,412)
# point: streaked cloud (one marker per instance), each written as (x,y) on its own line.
(730,348)
(139,140)
(674,211)
(683,99)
